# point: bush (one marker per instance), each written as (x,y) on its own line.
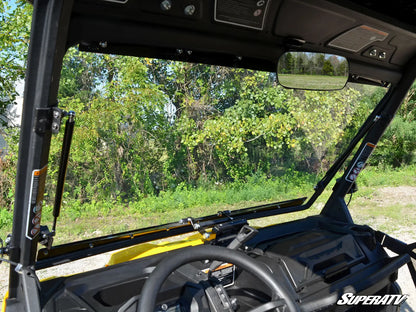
(398,145)
(6,218)
(8,166)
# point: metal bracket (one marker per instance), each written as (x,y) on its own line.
(377,118)
(4,250)
(225,213)
(49,119)
(192,222)
(46,236)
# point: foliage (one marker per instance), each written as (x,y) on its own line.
(258,124)
(301,63)
(109,217)
(322,118)
(116,155)
(388,176)
(8,165)
(14,40)
(155,134)
(398,145)
(408,108)
(227,126)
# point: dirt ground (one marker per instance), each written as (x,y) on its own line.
(405,195)
(387,195)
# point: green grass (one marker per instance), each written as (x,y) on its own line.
(388,176)
(80,221)
(378,204)
(312,82)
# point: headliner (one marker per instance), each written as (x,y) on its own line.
(222,32)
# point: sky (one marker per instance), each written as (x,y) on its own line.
(11,3)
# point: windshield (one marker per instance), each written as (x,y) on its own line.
(157,141)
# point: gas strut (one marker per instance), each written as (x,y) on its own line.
(66,146)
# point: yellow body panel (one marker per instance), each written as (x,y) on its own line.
(3,306)
(149,249)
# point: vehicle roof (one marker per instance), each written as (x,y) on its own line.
(378,37)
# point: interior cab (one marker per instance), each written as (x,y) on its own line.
(322,262)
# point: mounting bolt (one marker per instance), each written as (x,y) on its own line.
(55,127)
(382,55)
(234,303)
(166,5)
(190,10)
(373,52)
(56,114)
(71,116)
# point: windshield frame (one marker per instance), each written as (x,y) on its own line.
(48,44)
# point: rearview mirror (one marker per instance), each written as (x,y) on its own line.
(312,71)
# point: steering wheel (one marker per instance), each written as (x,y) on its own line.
(151,288)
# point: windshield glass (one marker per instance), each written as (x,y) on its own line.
(156,141)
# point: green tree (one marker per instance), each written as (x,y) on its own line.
(342,69)
(398,145)
(322,118)
(327,68)
(408,108)
(82,72)
(121,131)
(257,123)
(14,40)
(286,64)
(8,164)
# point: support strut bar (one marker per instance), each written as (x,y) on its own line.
(66,146)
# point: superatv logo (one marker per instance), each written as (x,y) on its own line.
(351,299)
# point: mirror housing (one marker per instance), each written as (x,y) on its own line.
(312,71)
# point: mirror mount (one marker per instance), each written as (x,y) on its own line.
(293,42)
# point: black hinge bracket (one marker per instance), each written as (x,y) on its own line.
(49,119)
(46,238)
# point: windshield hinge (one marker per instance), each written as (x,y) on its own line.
(225,213)
(5,250)
(46,236)
(49,119)
(191,221)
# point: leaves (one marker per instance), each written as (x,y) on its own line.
(14,41)
(323,118)
(228,125)
(148,126)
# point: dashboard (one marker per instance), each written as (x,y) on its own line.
(314,259)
